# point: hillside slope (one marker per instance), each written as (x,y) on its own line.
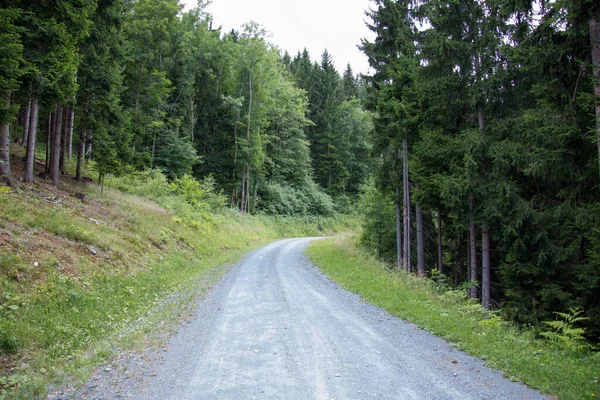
(81,272)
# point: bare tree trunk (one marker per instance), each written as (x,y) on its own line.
(243,202)
(5,150)
(440,253)
(49,142)
(595,43)
(80,155)
(485,232)
(485,267)
(461,260)
(71,123)
(399,243)
(234,197)
(467,270)
(473,250)
(56,146)
(26,120)
(192,119)
(420,243)
(31,138)
(398,223)
(253,208)
(406,184)
(153,147)
(64,137)
(5,154)
(246,186)
(248,180)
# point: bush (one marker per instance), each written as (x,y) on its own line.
(194,202)
(200,194)
(308,199)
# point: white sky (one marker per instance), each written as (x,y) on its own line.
(337,25)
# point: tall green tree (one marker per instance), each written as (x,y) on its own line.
(101,121)
(52,33)
(11,60)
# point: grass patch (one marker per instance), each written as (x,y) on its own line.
(81,279)
(517,353)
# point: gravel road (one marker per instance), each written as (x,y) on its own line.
(276,328)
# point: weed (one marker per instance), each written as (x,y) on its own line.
(564,334)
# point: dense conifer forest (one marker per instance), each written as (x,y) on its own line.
(471,151)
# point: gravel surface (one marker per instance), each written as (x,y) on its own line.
(276,328)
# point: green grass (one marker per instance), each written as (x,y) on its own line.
(65,310)
(517,353)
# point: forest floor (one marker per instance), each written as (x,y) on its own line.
(85,275)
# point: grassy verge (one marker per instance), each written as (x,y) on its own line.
(518,354)
(81,278)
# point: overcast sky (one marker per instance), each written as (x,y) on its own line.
(337,25)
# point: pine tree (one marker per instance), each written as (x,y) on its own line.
(11,53)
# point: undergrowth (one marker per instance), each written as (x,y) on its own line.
(569,372)
(76,276)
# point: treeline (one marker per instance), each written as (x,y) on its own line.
(137,85)
(487,135)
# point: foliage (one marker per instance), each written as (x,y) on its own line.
(200,194)
(308,199)
(496,101)
(564,333)
(378,222)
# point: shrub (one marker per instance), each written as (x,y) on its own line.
(307,199)
(564,334)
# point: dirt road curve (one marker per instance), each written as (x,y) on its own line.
(276,328)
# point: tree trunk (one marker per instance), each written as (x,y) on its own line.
(80,155)
(26,120)
(595,44)
(64,137)
(80,151)
(49,142)
(253,208)
(248,180)
(440,253)
(5,150)
(31,138)
(56,146)
(406,185)
(399,243)
(234,197)
(153,147)
(192,120)
(473,250)
(4,154)
(71,123)
(481,117)
(398,223)
(246,186)
(243,200)
(461,260)
(485,267)
(420,243)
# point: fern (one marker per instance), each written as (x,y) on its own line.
(564,334)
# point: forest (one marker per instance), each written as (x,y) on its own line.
(142,85)
(471,151)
